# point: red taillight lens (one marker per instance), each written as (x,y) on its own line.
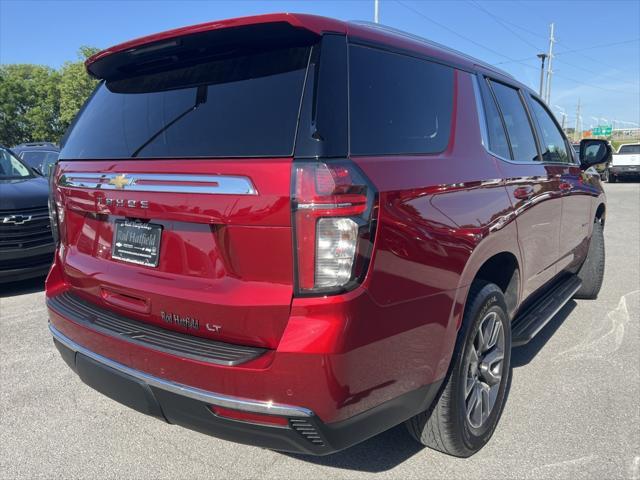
(250,417)
(334,222)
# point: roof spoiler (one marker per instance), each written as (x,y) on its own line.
(207,41)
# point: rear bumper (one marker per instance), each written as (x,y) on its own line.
(190,407)
(624,170)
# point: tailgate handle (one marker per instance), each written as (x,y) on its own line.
(135,304)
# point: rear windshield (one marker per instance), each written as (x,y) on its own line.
(240,106)
(630,149)
(39,158)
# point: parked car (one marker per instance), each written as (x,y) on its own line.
(296,232)
(39,155)
(26,243)
(625,163)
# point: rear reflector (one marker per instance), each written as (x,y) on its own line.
(250,417)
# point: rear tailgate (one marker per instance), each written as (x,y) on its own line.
(188,143)
(224,268)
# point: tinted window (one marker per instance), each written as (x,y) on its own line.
(629,149)
(11,167)
(523,144)
(498,143)
(239,106)
(39,159)
(554,148)
(398,104)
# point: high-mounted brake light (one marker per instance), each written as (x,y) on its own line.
(334,222)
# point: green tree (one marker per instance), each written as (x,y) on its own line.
(29,104)
(75,86)
(38,103)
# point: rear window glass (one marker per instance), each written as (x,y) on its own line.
(37,158)
(234,107)
(399,104)
(629,149)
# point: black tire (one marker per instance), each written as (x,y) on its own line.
(592,271)
(446,426)
(611,178)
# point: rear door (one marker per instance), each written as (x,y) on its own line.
(534,187)
(175,187)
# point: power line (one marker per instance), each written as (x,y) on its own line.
(593,72)
(503,24)
(450,30)
(593,47)
(495,52)
(557,54)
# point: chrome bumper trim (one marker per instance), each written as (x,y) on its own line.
(212,398)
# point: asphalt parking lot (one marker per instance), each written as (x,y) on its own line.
(572,410)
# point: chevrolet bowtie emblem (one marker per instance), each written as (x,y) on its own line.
(121,181)
(17,219)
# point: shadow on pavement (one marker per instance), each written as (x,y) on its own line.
(378,454)
(23,287)
(391,448)
(521,356)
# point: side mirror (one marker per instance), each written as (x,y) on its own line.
(593,152)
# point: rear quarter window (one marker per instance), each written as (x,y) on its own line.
(398,104)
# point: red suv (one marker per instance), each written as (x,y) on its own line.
(296,232)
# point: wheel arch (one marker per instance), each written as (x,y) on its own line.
(601,213)
(488,261)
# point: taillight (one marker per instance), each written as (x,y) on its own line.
(334,223)
(56,213)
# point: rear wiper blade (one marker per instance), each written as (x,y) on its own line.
(201,97)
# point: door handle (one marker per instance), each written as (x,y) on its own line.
(523,193)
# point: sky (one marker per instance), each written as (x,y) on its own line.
(597,53)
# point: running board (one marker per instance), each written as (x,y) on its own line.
(535,317)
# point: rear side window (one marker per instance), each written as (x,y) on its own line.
(398,104)
(554,148)
(498,142)
(239,106)
(516,120)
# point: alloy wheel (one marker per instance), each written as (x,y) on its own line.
(484,370)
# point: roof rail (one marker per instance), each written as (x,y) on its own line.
(430,43)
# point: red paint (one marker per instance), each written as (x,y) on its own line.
(229,259)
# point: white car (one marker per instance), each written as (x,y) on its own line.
(626,162)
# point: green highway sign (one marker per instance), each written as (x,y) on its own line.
(601,130)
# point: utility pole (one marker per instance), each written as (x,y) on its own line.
(549,70)
(577,134)
(542,57)
(376,11)
(564,118)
